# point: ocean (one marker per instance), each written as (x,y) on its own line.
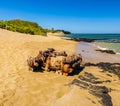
(103,41)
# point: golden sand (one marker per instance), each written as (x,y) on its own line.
(21,87)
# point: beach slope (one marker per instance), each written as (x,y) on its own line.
(21,87)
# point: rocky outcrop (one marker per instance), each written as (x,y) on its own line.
(110,67)
(106,51)
(90,82)
(81,39)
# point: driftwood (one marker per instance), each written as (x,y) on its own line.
(71,63)
(34,63)
(53,63)
(66,69)
(56,61)
(73,59)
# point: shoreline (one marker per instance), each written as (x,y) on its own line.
(89,54)
(103,44)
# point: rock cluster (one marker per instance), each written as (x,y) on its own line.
(91,83)
(106,51)
(81,39)
(51,59)
(110,67)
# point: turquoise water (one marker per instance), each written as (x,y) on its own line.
(103,41)
(111,46)
(95,36)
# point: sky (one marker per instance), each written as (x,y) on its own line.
(77,16)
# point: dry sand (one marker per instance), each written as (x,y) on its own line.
(21,87)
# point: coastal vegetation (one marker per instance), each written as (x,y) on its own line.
(22,26)
(27,27)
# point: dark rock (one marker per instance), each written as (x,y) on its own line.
(89,64)
(88,81)
(110,67)
(90,76)
(106,51)
(102,93)
(109,75)
(99,89)
(82,39)
(80,83)
(105,99)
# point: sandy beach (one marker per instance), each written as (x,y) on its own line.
(21,87)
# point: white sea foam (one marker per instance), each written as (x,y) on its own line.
(102,48)
(118,53)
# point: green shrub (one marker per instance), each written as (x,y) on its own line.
(22,26)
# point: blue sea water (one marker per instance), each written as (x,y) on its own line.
(95,36)
(103,41)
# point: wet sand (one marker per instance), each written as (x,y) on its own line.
(21,87)
(89,54)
